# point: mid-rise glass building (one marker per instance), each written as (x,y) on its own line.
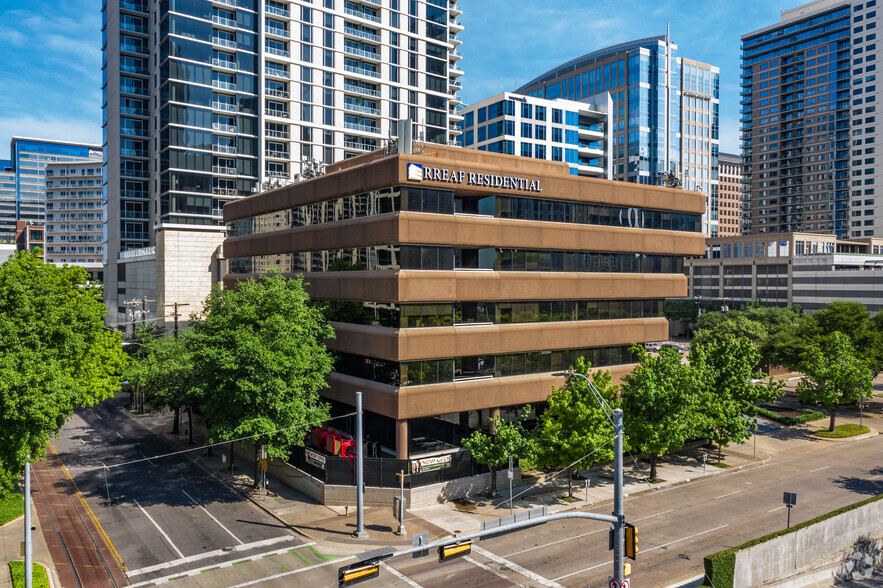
(207,101)
(555,130)
(809,100)
(23,179)
(664,116)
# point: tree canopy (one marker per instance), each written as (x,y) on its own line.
(503,439)
(165,374)
(725,374)
(660,402)
(833,374)
(55,355)
(259,361)
(573,430)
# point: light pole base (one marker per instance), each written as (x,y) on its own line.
(401,530)
(360,533)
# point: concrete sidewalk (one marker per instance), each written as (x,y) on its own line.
(11,536)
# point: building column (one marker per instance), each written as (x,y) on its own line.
(494,413)
(401,438)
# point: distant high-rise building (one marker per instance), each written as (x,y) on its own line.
(555,130)
(664,115)
(730,195)
(23,179)
(206,102)
(73,215)
(809,98)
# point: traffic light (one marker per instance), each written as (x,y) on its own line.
(357,573)
(631,541)
(447,552)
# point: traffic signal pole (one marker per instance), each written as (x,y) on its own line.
(360,464)
(618,509)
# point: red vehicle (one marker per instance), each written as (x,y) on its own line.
(331,442)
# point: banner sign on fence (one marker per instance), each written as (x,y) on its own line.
(431,464)
(316,459)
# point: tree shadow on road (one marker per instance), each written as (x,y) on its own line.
(862,485)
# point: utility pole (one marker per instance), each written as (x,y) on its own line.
(29,559)
(176,314)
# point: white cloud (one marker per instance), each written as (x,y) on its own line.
(53,129)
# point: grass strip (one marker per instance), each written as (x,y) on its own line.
(12,506)
(842,431)
(323,556)
(38,575)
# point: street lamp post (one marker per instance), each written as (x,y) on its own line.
(615,416)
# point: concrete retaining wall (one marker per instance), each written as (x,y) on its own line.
(346,495)
(801,550)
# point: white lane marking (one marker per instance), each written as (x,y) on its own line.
(400,575)
(725,495)
(216,553)
(199,570)
(212,517)
(163,533)
(777,508)
(487,568)
(819,469)
(147,458)
(99,416)
(642,551)
(583,535)
(874,477)
(83,442)
(120,436)
(298,571)
(516,568)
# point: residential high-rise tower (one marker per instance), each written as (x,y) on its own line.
(809,99)
(207,101)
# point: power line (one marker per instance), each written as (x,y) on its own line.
(201,447)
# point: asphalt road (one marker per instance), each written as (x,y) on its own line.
(677,526)
(163,515)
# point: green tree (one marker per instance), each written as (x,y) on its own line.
(833,374)
(504,439)
(165,374)
(55,355)
(259,361)
(685,311)
(574,431)
(854,320)
(660,403)
(728,385)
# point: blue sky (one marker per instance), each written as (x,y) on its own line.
(50,84)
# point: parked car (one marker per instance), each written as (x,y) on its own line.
(651,347)
(673,346)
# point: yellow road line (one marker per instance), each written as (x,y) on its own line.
(113,549)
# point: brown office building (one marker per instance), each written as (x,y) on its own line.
(730,195)
(472,277)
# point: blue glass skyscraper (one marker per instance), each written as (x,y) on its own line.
(665,111)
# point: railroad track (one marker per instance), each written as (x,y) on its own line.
(83,555)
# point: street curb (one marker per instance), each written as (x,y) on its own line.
(723,472)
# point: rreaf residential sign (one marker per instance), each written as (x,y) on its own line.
(417,172)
